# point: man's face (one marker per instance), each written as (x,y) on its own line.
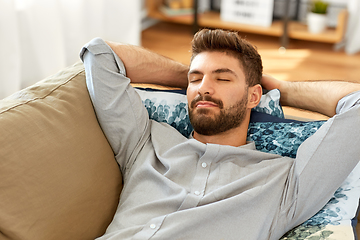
(217,93)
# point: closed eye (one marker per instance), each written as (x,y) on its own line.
(223,80)
(195,80)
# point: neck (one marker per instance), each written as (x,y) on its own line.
(233,137)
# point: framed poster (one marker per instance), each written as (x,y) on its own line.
(254,12)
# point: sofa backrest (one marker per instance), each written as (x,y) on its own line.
(58,175)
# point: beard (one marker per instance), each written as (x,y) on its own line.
(228,118)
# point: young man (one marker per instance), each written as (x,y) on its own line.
(215,185)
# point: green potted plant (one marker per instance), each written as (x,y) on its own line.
(317,18)
(319,7)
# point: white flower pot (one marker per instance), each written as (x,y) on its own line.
(316,22)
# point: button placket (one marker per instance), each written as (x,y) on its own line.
(197,193)
(198,186)
(150,229)
(203,170)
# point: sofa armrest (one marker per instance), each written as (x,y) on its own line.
(58,175)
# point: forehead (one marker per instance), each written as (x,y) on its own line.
(216,60)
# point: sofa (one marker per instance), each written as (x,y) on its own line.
(58,175)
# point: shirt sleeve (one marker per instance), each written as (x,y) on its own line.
(323,162)
(119,109)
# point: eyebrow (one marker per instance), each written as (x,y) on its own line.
(225,70)
(220,70)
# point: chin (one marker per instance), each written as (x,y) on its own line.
(204,111)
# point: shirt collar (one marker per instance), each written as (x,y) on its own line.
(250,145)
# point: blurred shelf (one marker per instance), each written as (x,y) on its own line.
(295,30)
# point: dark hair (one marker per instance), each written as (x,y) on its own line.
(231,43)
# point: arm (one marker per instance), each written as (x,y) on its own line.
(317,96)
(326,158)
(143,66)
(119,110)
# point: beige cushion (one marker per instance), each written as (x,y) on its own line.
(58,175)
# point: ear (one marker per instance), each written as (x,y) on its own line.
(254,95)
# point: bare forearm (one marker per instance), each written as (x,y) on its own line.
(143,66)
(317,96)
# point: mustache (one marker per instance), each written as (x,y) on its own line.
(208,99)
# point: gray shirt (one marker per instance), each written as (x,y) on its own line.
(179,188)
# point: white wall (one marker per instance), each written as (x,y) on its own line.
(40,37)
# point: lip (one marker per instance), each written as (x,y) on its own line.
(205,104)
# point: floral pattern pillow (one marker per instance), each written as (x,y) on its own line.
(270,104)
(170,106)
(167,106)
(281,138)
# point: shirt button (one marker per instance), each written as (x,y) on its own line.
(197,193)
(204,165)
(152,226)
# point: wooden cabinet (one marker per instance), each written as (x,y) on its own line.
(294,29)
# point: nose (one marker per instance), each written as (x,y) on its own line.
(206,86)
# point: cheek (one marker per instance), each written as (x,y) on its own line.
(233,98)
(190,94)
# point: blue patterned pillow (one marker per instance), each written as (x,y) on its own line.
(170,106)
(270,104)
(281,138)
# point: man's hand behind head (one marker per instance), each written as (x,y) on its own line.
(268,82)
